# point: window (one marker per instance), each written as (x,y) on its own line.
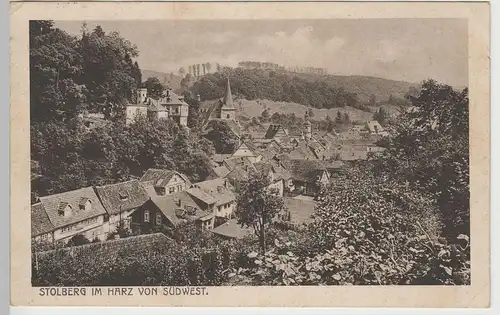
(66,228)
(227,116)
(146,215)
(44,237)
(158,219)
(171,190)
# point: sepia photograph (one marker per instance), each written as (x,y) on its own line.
(204,158)
(228,153)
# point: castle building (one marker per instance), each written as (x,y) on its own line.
(170,105)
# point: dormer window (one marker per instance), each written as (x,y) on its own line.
(85,203)
(65,209)
(123,195)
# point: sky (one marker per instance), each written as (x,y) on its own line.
(409,50)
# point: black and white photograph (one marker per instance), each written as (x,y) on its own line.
(232,153)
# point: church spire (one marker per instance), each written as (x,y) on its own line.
(227,102)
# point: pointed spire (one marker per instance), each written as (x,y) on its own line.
(227,102)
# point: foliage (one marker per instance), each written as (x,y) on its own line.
(433,142)
(382,116)
(78,240)
(155,88)
(225,141)
(257,205)
(275,85)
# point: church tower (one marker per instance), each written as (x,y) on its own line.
(227,110)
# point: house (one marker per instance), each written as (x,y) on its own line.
(171,210)
(138,109)
(165,182)
(276,131)
(222,191)
(307,175)
(246,149)
(218,172)
(61,216)
(277,182)
(121,200)
(170,105)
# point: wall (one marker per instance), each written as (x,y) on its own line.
(279,186)
(225,210)
(79,228)
(125,217)
(177,183)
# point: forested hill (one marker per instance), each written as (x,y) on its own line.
(319,91)
(171,80)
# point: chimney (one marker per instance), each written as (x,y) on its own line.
(178,202)
(198,97)
(219,189)
(225,183)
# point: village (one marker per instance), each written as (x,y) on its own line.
(296,165)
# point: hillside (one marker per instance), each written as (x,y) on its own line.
(168,79)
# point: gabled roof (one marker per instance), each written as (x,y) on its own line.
(232,229)
(52,205)
(242,161)
(172,99)
(160,177)
(219,188)
(304,170)
(122,196)
(201,195)
(170,208)
(221,171)
(273,130)
(40,223)
(264,168)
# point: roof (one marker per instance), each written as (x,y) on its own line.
(301,210)
(40,223)
(241,161)
(374,126)
(201,195)
(171,99)
(227,101)
(273,130)
(232,229)
(264,168)
(160,177)
(304,170)
(302,152)
(219,188)
(219,158)
(170,208)
(107,251)
(221,171)
(52,203)
(122,196)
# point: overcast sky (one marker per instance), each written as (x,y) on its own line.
(401,49)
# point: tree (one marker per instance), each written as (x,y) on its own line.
(78,240)
(222,136)
(381,116)
(257,206)
(209,67)
(155,88)
(373,100)
(265,114)
(310,112)
(204,68)
(339,120)
(182,71)
(347,119)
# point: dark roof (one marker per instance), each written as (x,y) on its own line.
(122,196)
(40,223)
(172,99)
(172,210)
(160,177)
(107,251)
(304,170)
(219,188)
(273,130)
(232,229)
(221,171)
(53,203)
(227,101)
(301,210)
